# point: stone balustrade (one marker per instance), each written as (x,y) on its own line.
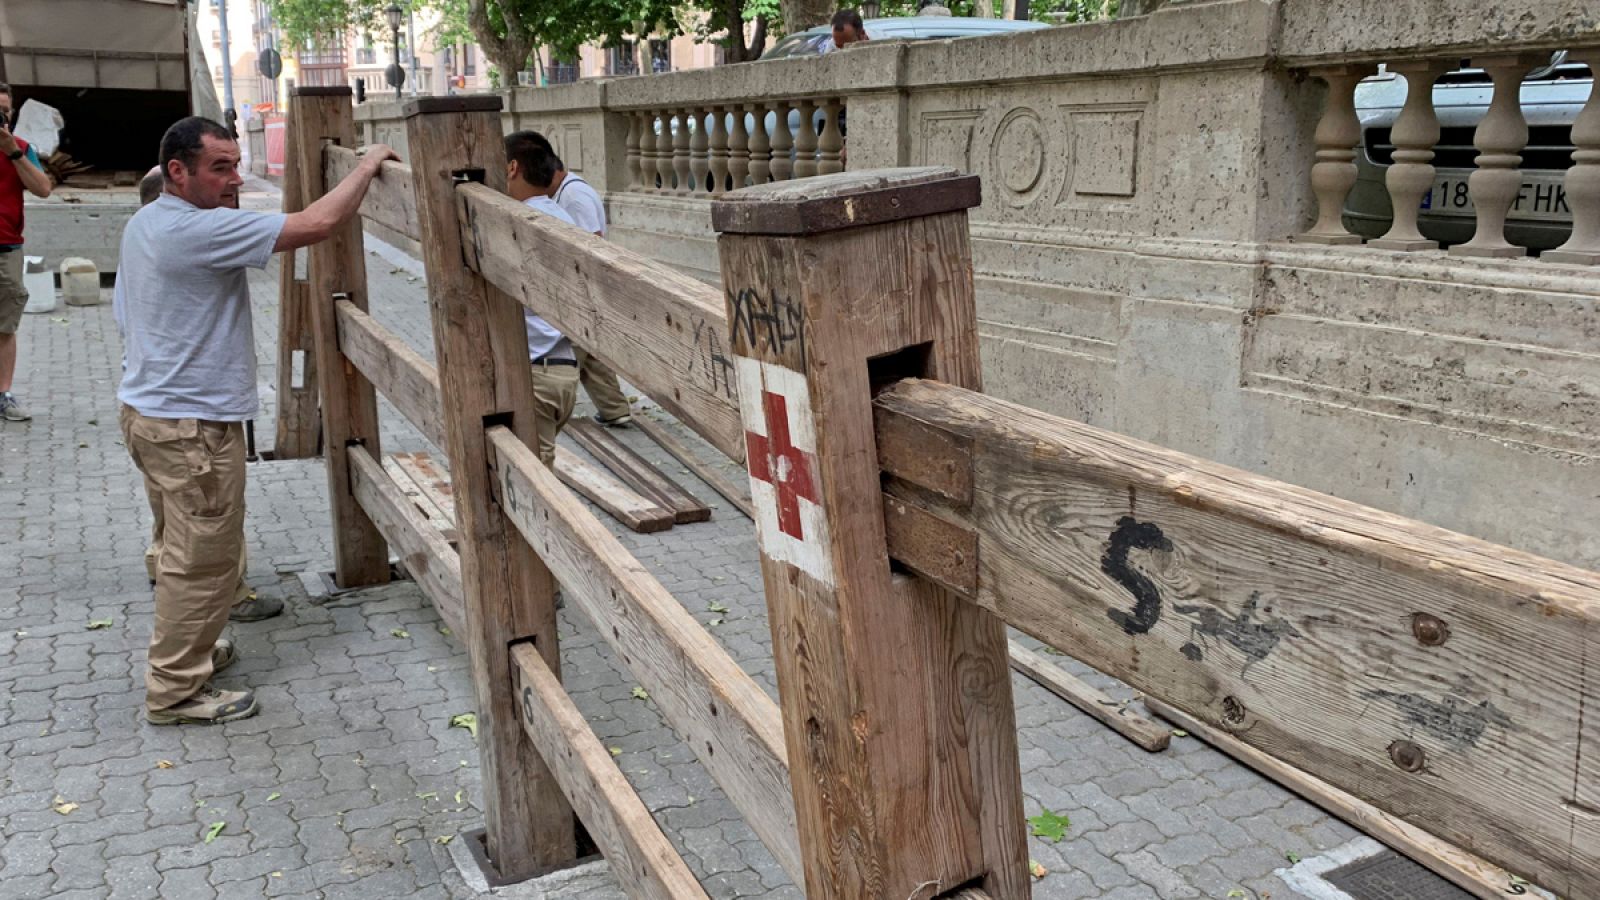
(1162,245)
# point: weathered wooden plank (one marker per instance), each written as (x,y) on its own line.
(430,559)
(432,480)
(738,495)
(299,431)
(1473,874)
(896,693)
(390,202)
(481,347)
(642,859)
(661,329)
(611,495)
(637,473)
(338,266)
(400,373)
(424,502)
(1382,655)
(1095,703)
(718,710)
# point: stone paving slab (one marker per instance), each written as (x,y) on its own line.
(350,781)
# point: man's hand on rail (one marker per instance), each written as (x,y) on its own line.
(337,206)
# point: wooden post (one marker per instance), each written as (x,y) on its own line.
(338,267)
(896,693)
(299,423)
(481,344)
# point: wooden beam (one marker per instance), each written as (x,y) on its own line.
(896,693)
(642,859)
(737,494)
(718,710)
(609,494)
(299,430)
(424,552)
(1095,703)
(338,267)
(1473,874)
(480,343)
(1382,655)
(390,201)
(663,330)
(400,373)
(637,473)
(404,479)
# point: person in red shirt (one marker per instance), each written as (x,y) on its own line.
(19,170)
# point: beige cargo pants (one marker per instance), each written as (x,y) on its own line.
(194,475)
(555,390)
(601,384)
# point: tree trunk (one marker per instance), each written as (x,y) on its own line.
(758,40)
(509,54)
(798,15)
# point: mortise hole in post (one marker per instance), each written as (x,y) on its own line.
(297,370)
(915,361)
(466,176)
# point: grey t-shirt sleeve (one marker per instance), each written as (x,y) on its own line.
(240,238)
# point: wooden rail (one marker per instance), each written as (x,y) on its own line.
(430,559)
(391,201)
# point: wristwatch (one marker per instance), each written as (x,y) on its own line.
(14,156)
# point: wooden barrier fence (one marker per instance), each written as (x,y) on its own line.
(1445,681)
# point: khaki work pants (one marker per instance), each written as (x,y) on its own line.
(194,472)
(555,390)
(153,552)
(601,384)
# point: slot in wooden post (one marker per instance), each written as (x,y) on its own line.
(484,377)
(337,267)
(896,693)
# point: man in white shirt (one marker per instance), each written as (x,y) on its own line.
(583,203)
(188,385)
(555,363)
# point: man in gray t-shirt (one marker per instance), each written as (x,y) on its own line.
(183,303)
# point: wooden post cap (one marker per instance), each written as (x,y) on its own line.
(322,90)
(846,200)
(461,103)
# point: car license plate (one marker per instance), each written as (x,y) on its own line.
(1542,198)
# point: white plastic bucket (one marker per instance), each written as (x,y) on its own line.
(41,285)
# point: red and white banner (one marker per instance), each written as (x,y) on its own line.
(277,149)
(781,453)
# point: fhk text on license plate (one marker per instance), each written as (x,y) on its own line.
(1540,198)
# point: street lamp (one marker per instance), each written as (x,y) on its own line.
(869,9)
(396,74)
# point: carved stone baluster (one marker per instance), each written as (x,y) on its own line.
(830,142)
(1334,173)
(632,164)
(805,141)
(647,151)
(719,150)
(680,153)
(738,149)
(1415,133)
(699,151)
(665,141)
(1496,182)
(1583,183)
(760,147)
(782,143)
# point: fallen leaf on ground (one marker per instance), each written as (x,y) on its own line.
(61,805)
(1036,870)
(469,721)
(1179,732)
(640,693)
(1236,893)
(716,607)
(458,797)
(163,763)
(444,839)
(428,795)
(715,622)
(276,874)
(1050,825)
(444,631)
(273,796)
(214,830)
(97,624)
(615,751)
(1292,857)
(400,633)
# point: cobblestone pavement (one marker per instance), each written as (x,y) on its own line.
(350,781)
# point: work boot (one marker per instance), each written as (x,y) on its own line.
(11,410)
(223,655)
(209,707)
(254,608)
(619,422)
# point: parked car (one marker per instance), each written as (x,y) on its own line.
(819,40)
(1552,97)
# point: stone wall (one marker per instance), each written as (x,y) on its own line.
(1143,180)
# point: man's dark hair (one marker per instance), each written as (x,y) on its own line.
(849,17)
(184,140)
(6,89)
(150,187)
(534,157)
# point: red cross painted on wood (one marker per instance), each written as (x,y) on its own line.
(778,462)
